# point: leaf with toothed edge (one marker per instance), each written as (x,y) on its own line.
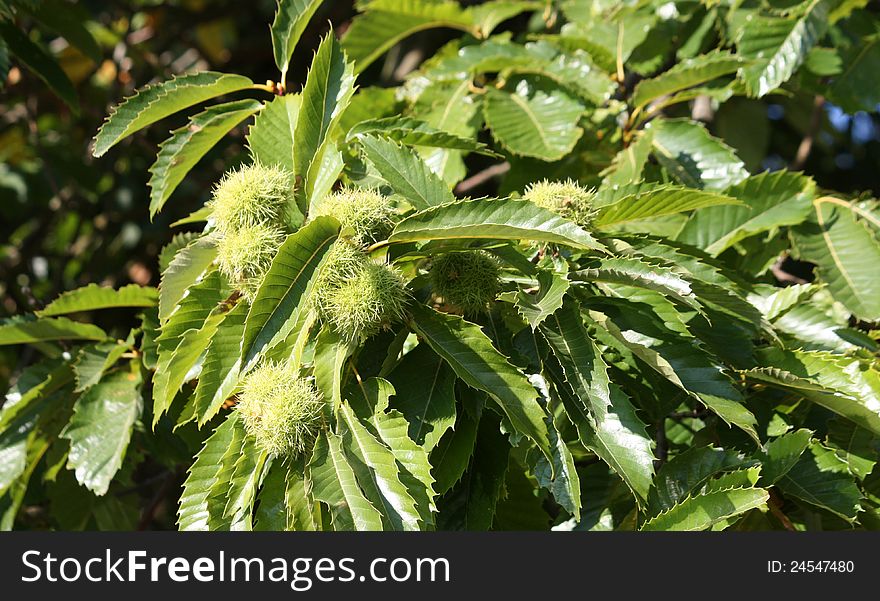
(187,145)
(157,101)
(473,358)
(604,416)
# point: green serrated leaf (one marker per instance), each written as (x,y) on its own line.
(386,22)
(605,418)
(534,122)
(837,382)
(405,172)
(657,202)
(95,359)
(769,200)
(285,288)
(291,18)
(222,365)
(840,240)
(473,358)
(325,95)
(500,219)
(187,145)
(379,469)
(202,476)
(781,454)
(334,483)
(100,429)
(186,268)
(270,138)
(701,512)
(155,102)
(693,157)
(820,478)
(27,329)
(94,297)
(425,386)
(779,45)
(537,307)
(686,74)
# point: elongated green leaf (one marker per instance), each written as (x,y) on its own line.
(187,145)
(537,307)
(26,329)
(686,74)
(291,18)
(425,395)
(285,287)
(821,478)
(243,486)
(188,265)
(629,163)
(93,297)
(779,45)
(414,132)
(659,201)
(394,500)
(686,473)
(769,200)
(100,429)
(412,459)
(270,138)
(14,436)
(449,106)
(701,512)
(686,365)
(839,239)
(155,102)
(40,63)
(501,219)
(95,359)
(693,157)
(334,483)
(641,274)
(325,95)
(471,505)
(836,382)
(855,446)
(605,418)
(271,514)
(782,454)
(405,172)
(453,453)
(331,353)
(193,511)
(222,365)
(473,358)
(559,477)
(534,123)
(386,22)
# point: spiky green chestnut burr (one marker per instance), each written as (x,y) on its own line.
(565,198)
(370,215)
(253,195)
(372,297)
(466,280)
(244,255)
(280,409)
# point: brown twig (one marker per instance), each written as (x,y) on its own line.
(482,177)
(806,145)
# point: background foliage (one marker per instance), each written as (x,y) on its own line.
(715,368)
